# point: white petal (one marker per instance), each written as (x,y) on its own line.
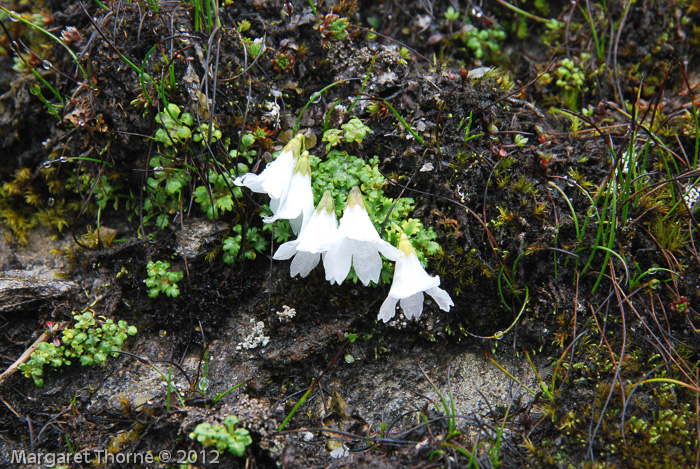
(274,180)
(389,251)
(356,224)
(303,263)
(319,233)
(366,262)
(388,309)
(410,278)
(286,250)
(250,180)
(412,306)
(337,261)
(296,224)
(298,203)
(441,297)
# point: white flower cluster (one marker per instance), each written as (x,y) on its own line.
(354,243)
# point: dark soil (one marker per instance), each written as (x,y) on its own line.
(567,244)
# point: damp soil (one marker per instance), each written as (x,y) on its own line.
(542,360)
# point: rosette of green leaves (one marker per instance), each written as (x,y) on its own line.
(355,130)
(46,353)
(220,199)
(224,437)
(178,128)
(176,125)
(90,342)
(341,171)
(161,280)
(164,186)
(254,243)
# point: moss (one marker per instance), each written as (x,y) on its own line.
(633,424)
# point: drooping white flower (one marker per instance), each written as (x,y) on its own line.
(314,239)
(297,203)
(410,281)
(277,176)
(357,244)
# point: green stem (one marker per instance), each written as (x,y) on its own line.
(404,123)
(18,17)
(522,12)
(314,97)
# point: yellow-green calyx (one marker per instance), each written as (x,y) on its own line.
(295,145)
(355,198)
(405,246)
(326,202)
(303,164)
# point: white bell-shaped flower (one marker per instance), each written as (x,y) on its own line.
(298,203)
(276,179)
(410,281)
(314,239)
(357,244)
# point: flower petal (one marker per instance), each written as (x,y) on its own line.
(303,263)
(319,233)
(298,203)
(389,251)
(296,223)
(286,250)
(388,309)
(355,224)
(274,180)
(366,262)
(410,278)
(442,298)
(337,261)
(412,306)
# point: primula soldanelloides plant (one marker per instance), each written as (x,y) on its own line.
(287,180)
(277,176)
(313,241)
(357,244)
(353,248)
(298,201)
(410,281)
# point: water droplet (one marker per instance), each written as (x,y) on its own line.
(203,384)
(50,202)
(14,16)
(63,159)
(46,64)
(47,164)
